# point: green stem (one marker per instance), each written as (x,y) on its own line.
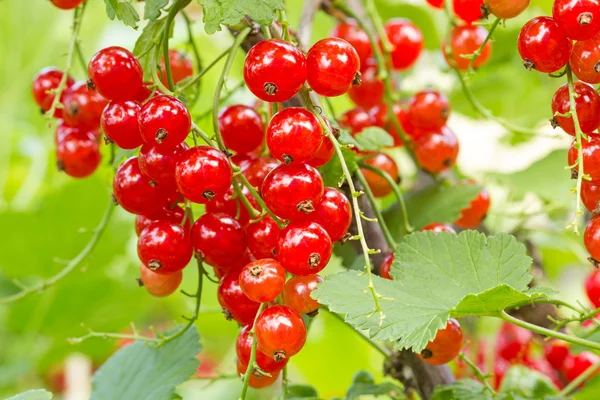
(477,52)
(285,30)
(574,384)
(260,201)
(105,335)
(478,373)
(203,72)
(223,99)
(252,362)
(178,6)
(191,41)
(378,26)
(266,32)
(251,210)
(382,350)
(196,129)
(81,58)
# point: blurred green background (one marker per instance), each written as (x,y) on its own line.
(47,217)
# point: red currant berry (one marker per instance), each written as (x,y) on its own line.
(370,92)
(351,32)
(219,239)
(386,266)
(407,40)
(401,113)
(513,343)
(377,184)
(280,332)
(234,302)
(543,45)
(437,227)
(159,285)
(556,353)
(577,364)
(203,172)
(591,157)
(120,124)
(181,67)
(468,10)
(590,195)
(164,122)
(294,135)
(83,107)
(437,151)
(356,120)
(428,109)
(591,238)
(241,127)
(243,347)
(291,191)
(587,106)
(66,4)
(506,9)
(160,167)
(585,61)
(303,248)
(445,346)
(175,215)
(77,154)
(262,237)
(257,380)
(333,67)
(262,280)
(436,3)
(333,212)
(472,216)
(580,19)
(116,73)
(62,130)
(592,281)
(296,294)
(324,154)
(165,247)
(465,40)
(44,83)
(275,70)
(258,169)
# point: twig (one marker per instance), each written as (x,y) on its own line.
(252,362)
(200,74)
(574,384)
(478,373)
(477,52)
(177,6)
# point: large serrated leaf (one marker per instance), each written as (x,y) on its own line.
(231,12)
(152,8)
(37,394)
(437,275)
(373,139)
(139,371)
(122,11)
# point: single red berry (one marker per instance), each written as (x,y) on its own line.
(370,92)
(44,83)
(591,239)
(229,204)
(159,285)
(160,167)
(577,364)
(136,193)
(82,106)
(175,215)
(203,172)
(280,332)
(181,67)
(436,3)
(294,135)
(241,127)
(303,248)
(164,122)
(66,4)
(257,380)
(296,294)
(351,32)
(428,109)
(591,157)
(378,185)
(580,19)
(592,282)
(356,120)
(219,239)
(513,343)
(587,106)
(472,215)
(78,154)
(543,45)
(116,73)
(324,153)
(62,130)
(243,347)
(506,9)
(407,41)
(291,191)
(165,247)
(234,302)
(386,266)
(468,10)
(585,60)
(258,169)
(262,237)
(275,70)
(590,195)
(262,280)
(438,227)
(437,151)
(332,66)
(333,212)
(445,346)
(120,124)
(556,353)
(466,40)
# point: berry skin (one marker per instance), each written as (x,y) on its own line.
(590,195)
(437,151)
(544,45)
(296,294)
(513,343)
(468,10)
(356,120)
(577,364)
(324,154)
(436,227)
(506,9)
(258,169)
(165,247)
(445,346)
(378,185)
(83,106)
(66,4)
(592,282)
(580,19)
(407,41)
(77,154)
(243,347)
(436,3)
(120,124)
(241,127)
(591,157)
(203,172)
(351,32)
(280,332)
(291,191)
(181,67)
(174,215)
(160,167)
(219,239)
(472,216)
(275,70)
(262,237)
(294,135)
(159,285)
(428,109)
(370,92)
(585,61)
(258,381)
(591,239)
(46,80)
(587,106)
(303,248)
(262,280)
(164,122)
(116,73)
(386,266)
(333,212)
(234,302)
(332,66)
(465,40)
(63,130)
(556,353)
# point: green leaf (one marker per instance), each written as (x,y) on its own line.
(332,171)
(436,276)
(138,371)
(231,12)
(301,392)
(373,139)
(37,394)
(153,7)
(525,382)
(364,384)
(346,138)
(590,390)
(124,11)
(144,47)
(464,389)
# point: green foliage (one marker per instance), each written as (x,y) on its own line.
(145,45)
(39,394)
(373,139)
(301,392)
(152,8)
(527,383)
(332,171)
(138,371)
(123,11)
(462,389)
(364,384)
(231,12)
